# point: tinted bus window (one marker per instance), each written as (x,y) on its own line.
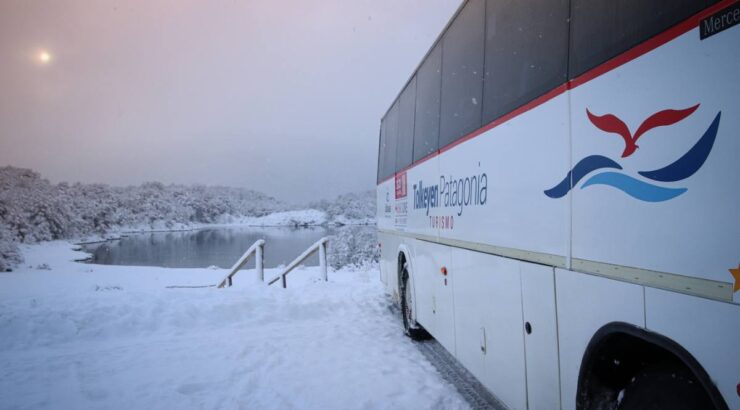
(391,134)
(406,108)
(526,52)
(381,151)
(602,29)
(428,88)
(462,73)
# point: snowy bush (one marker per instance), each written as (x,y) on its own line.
(355,242)
(9,253)
(353,246)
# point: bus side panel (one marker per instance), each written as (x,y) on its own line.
(517,161)
(585,304)
(433,291)
(381,262)
(389,244)
(387,263)
(385,200)
(488,322)
(387,217)
(672,220)
(423,266)
(541,345)
(709,330)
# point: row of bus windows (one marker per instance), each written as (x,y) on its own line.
(500,54)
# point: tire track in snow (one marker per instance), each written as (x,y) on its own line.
(454,373)
(474,393)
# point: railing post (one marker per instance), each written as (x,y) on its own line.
(322,260)
(258,262)
(319,246)
(256,249)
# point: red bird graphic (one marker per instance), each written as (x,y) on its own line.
(610,123)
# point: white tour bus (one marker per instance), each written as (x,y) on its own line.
(559,201)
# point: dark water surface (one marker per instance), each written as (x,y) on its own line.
(202,248)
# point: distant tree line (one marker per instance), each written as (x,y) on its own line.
(352,207)
(32,209)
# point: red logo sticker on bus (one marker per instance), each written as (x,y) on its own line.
(401,185)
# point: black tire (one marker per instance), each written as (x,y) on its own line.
(410,327)
(665,388)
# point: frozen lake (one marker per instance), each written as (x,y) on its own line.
(207,247)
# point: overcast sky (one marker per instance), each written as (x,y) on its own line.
(282,96)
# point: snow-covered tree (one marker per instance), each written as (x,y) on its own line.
(353,208)
(9,254)
(32,209)
(353,245)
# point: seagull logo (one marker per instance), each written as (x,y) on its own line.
(612,124)
(640,189)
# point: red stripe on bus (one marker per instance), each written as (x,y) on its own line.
(624,58)
(506,117)
(423,159)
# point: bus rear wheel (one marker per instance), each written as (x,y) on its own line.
(410,327)
(663,387)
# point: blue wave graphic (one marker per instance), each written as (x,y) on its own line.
(634,187)
(691,161)
(582,168)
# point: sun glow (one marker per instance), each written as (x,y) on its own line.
(44,57)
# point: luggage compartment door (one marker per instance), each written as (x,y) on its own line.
(540,335)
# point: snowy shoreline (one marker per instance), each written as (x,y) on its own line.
(304,218)
(352,242)
(95,336)
(33,210)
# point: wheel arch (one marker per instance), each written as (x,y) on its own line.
(607,347)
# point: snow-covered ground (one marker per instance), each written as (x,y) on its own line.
(92,336)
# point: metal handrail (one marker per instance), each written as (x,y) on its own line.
(257,249)
(320,246)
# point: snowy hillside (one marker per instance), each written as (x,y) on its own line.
(34,210)
(90,336)
(352,208)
